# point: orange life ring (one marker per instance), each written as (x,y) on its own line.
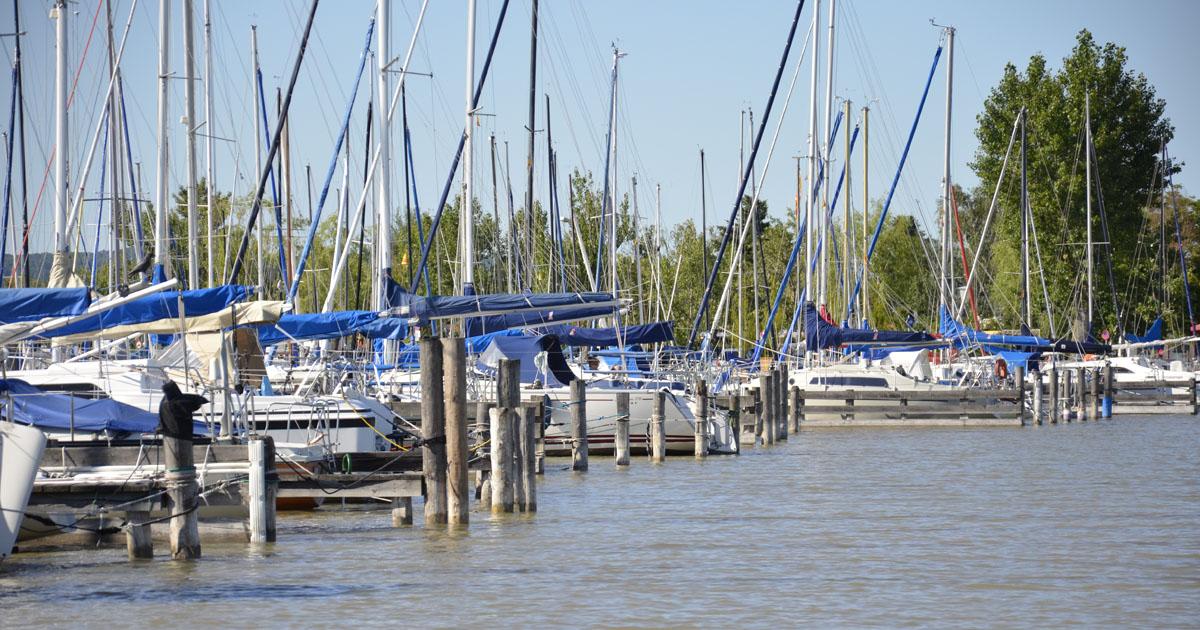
(1001,369)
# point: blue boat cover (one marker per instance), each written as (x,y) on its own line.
(313,326)
(963,336)
(820,334)
(494,323)
(163,305)
(525,349)
(1154,333)
(35,407)
(424,309)
(31,305)
(656,332)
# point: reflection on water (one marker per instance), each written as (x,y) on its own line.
(1083,523)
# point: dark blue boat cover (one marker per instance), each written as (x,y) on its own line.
(820,334)
(424,309)
(963,336)
(315,326)
(496,323)
(1154,333)
(163,305)
(31,305)
(656,332)
(32,406)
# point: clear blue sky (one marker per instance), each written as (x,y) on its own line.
(691,68)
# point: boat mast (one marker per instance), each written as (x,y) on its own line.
(812,153)
(533,39)
(162,262)
(637,259)
(210,186)
(262,259)
(466,212)
(846,262)
(822,216)
(1025,297)
(866,281)
(946,283)
(383,177)
(189,93)
(1087,126)
(21,128)
(60,126)
(703,228)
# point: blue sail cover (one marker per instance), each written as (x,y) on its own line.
(314,326)
(526,349)
(31,305)
(963,336)
(656,332)
(32,406)
(424,309)
(820,334)
(1154,333)
(152,308)
(525,319)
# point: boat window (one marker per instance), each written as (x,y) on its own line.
(849,381)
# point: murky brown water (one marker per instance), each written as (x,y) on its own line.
(1096,524)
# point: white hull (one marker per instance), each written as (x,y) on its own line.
(20,454)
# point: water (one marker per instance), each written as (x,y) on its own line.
(1095,524)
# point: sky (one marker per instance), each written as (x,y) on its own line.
(692,73)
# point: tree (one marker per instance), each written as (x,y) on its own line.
(1129,126)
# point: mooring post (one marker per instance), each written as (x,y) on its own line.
(1093,404)
(516,448)
(507,399)
(781,394)
(1019,384)
(701,419)
(528,476)
(756,408)
(1192,389)
(735,419)
(433,430)
(1052,402)
(1066,395)
(402,511)
(621,441)
(793,409)
(1106,407)
(1080,388)
(539,433)
(263,485)
(137,535)
(454,386)
(579,432)
(658,438)
(766,388)
(1036,396)
(181,491)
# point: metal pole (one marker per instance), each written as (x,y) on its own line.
(189,94)
(466,208)
(533,32)
(61,140)
(210,186)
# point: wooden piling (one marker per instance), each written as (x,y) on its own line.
(181,492)
(528,469)
(1019,385)
(579,432)
(1052,383)
(781,394)
(516,447)
(1066,395)
(454,385)
(793,409)
(137,535)
(433,431)
(507,399)
(1093,403)
(1106,407)
(1079,394)
(621,440)
(701,443)
(658,437)
(766,388)
(1036,395)
(263,486)
(756,405)
(402,511)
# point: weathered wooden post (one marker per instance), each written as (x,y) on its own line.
(1052,383)
(621,441)
(1036,395)
(1106,407)
(736,422)
(454,383)
(794,409)
(1066,395)
(528,476)
(515,446)
(1192,390)
(539,433)
(766,388)
(1019,382)
(781,394)
(701,419)
(756,407)
(1093,403)
(507,399)
(1080,389)
(658,437)
(433,431)
(137,535)
(263,486)
(181,487)
(579,432)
